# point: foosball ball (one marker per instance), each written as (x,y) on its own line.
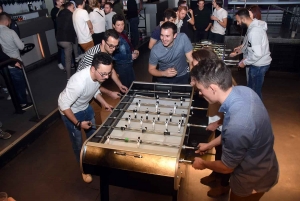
(220,50)
(147,140)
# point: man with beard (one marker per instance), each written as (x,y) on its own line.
(108,45)
(255,49)
(73,101)
(171,53)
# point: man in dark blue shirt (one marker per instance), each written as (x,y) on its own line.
(169,16)
(247,138)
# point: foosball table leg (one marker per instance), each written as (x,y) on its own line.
(174,195)
(104,187)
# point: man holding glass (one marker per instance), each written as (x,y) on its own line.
(171,54)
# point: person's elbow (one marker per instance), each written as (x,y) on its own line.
(227,170)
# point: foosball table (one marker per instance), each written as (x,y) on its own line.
(147,140)
(220,49)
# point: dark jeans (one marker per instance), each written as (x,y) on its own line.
(217,38)
(134,31)
(174,80)
(256,77)
(98,37)
(223,177)
(18,80)
(201,35)
(75,134)
(126,73)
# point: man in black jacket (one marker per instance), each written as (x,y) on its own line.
(133,18)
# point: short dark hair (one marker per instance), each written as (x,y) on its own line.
(78,2)
(101,58)
(170,13)
(180,2)
(67,5)
(212,71)
(200,0)
(5,16)
(219,3)
(109,3)
(169,25)
(110,33)
(243,12)
(117,17)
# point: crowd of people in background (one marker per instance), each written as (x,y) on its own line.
(95,34)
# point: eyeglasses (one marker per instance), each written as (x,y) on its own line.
(112,46)
(104,74)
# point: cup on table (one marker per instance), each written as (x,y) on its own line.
(3,196)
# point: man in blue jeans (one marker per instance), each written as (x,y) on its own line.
(11,45)
(73,101)
(256,49)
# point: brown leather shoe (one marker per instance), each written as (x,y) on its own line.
(209,180)
(87,178)
(218,191)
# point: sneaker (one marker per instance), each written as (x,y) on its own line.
(218,191)
(26,106)
(8,97)
(4,135)
(209,180)
(5,90)
(60,66)
(87,178)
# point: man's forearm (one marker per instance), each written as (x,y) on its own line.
(215,142)
(70,115)
(217,166)
(100,98)
(115,78)
(156,73)
(104,90)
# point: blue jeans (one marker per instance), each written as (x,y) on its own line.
(18,80)
(256,78)
(134,31)
(217,38)
(126,73)
(75,134)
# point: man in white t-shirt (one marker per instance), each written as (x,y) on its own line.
(83,26)
(73,101)
(219,17)
(109,13)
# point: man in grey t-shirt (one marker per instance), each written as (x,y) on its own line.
(109,13)
(171,53)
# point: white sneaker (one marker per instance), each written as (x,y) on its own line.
(8,97)
(87,178)
(60,66)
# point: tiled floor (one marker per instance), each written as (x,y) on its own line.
(47,170)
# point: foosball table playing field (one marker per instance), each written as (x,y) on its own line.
(148,139)
(220,49)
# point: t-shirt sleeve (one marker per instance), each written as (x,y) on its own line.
(156,34)
(153,59)
(85,16)
(186,44)
(224,14)
(235,144)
